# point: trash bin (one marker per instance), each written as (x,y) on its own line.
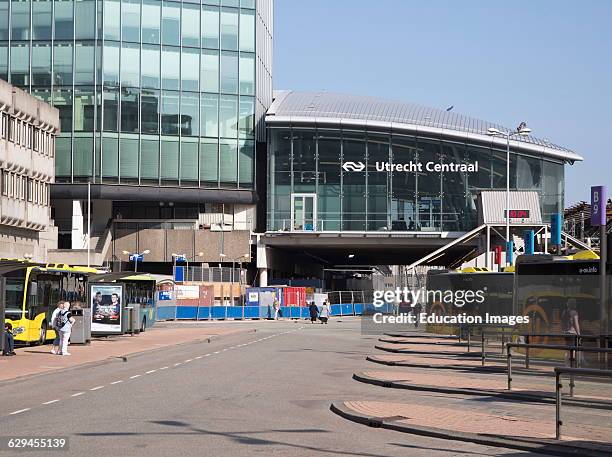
(81,329)
(131,321)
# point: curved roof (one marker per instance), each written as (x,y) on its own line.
(323,108)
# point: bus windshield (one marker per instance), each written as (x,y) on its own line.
(15,285)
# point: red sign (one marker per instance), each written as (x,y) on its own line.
(518,214)
(498,255)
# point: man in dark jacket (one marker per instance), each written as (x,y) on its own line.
(314,312)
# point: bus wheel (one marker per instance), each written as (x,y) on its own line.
(143,326)
(43,333)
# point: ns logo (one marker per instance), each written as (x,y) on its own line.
(353,166)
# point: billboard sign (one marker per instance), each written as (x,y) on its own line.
(598,205)
(106,308)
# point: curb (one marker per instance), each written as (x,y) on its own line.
(546,398)
(475,368)
(436,343)
(425,335)
(410,351)
(550,447)
(121,358)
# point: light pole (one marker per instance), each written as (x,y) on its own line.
(521,130)
(136,257)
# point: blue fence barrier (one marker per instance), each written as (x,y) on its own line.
(261,312)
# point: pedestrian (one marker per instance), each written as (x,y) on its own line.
(276,307)
(416,312)
(9,340)
(314,312)
(64,323)
(55,349)
(324,314)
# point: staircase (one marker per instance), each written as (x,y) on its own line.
(100,243)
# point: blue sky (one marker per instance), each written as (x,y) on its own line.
(546,62)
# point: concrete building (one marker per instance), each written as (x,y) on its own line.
(28,128)
(162,108)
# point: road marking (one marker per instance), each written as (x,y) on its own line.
(116,382)
(216,352)
(77,394)
(51,401)
(135,376)
(178,363)
(97,388)
(206,355)
(20,411)
(198,357)
(164,368)
(150,371)
(188,360)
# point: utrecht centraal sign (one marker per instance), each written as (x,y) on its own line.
(415,167)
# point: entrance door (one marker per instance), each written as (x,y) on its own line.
(303,212)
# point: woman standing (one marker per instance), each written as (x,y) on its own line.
(324,314)
(65,322)
(314,312)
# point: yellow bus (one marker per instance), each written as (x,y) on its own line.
(32,293)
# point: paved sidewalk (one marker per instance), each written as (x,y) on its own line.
(38,359)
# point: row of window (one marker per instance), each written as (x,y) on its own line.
(22,187)
(149,67)
(151,21)
(207,162)
(25,134)
(153,112)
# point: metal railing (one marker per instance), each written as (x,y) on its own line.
(350,296)
(212,274)
(558,386)
(572,350)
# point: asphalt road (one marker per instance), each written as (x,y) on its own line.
(266,393)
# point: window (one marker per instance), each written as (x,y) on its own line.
(170,68)
(84,63)
(247,74)
(229,29)
(20,20)
(210,115)
(229,72)
(190,114)
(85,19)
(129,159)
(110,107)
(41,20)
(189,160)
(110,158)
(228,116)
(245,162)
(4,21)
(190,64)
(170,113)
(150,66)
(246,120)
(41,65)
(62,64)
(149,164)
(228,162)
(129,110)
(63,158)
(20,65)
(3,61)
(112,18)
(247,31)
(191,25)
(171,23)
(209,162)
(150,111)
(130,65)
(130,20)
(210,27)
(84,108)
(151,17)
(62,100)
(82,157)
(210,71)
(169,159)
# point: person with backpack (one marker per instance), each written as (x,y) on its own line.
(324,313)
(55,349)
(64,322)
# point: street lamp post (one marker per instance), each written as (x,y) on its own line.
(521,130)
(135,256)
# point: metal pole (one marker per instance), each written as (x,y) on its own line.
(558,422)
(603,253)
(509,370)
(507,195)
(88,223)
(135,263)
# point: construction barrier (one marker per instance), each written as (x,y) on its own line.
(262,312)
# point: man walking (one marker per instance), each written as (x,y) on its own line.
(55,349)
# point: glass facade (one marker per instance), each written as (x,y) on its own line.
(339,179)
(150,92)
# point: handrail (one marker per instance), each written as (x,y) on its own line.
(572,356)
(503,333)
(558,386)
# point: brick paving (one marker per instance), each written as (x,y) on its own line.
(38,359)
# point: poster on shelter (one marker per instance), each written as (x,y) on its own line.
(106,308)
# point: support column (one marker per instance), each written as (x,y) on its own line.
(78,221)
(488,258)
(263,277)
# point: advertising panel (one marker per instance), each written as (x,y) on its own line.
(106,302)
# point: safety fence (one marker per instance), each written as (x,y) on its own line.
(262,312)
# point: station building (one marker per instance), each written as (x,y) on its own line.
(358,181)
